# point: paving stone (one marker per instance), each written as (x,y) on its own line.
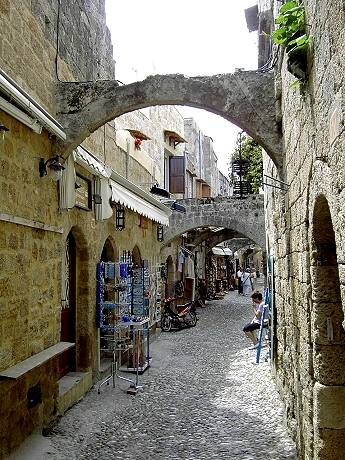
(203,398)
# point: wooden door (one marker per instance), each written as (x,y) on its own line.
(68,316)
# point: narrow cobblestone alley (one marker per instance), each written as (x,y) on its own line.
(203,398)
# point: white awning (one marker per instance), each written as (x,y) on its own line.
(227,251)
(217,251)
(90,163)
(122,195)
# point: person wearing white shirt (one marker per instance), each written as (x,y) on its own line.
(249,328)
(239,282)
(246,281)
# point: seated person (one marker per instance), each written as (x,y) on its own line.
(249,328)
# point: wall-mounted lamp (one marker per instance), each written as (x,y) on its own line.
(120,218)
(3,129)
(97,198)
(178,207)
(160,233)
(55,166)
(159,191)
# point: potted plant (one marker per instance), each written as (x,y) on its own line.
(292,35)
(137,143)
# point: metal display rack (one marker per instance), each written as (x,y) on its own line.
(121,331)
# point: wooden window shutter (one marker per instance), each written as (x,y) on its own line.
(177,170)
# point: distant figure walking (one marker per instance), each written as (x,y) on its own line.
(239,280)
(246,281)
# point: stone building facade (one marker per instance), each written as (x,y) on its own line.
(305,238)
(53,234)
(202,172)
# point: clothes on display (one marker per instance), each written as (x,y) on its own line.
(180,260)
(189,267)
(211,272)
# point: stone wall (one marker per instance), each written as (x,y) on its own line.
(31,257)
(307,239)
(201,158)
(210,162)
(29,44)
(151,122)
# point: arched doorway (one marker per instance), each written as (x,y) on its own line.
(108,252)
(136,257)
(67,360)
(328,338)
(105,356)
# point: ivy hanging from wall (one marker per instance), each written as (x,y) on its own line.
(292,34)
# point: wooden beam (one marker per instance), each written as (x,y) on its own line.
(29,223)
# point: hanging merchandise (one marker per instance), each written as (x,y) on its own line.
(138,292)
(189,267)
(211,271)
(124,334)
(180,260)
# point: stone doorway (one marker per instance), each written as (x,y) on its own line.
(136,257)
(108,252)
(328,339)
(67,361)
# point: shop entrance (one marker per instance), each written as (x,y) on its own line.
(169,284)
(67,361)
(109,254)
(136,257)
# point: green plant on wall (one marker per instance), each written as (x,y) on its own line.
(291,34)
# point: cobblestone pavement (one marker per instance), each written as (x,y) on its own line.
(204,398)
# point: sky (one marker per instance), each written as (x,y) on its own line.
(190,37)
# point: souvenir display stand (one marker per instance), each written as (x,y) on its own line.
(124,333)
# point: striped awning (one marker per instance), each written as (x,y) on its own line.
(90,163)
(129,199)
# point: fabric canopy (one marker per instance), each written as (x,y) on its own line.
(90,163)
(220,251)
(217,251)
(120,194)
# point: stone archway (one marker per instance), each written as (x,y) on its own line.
(246,99)
(68,324)
(109,251)
(328,338)
(109,254)
(245,218)
(136,257)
